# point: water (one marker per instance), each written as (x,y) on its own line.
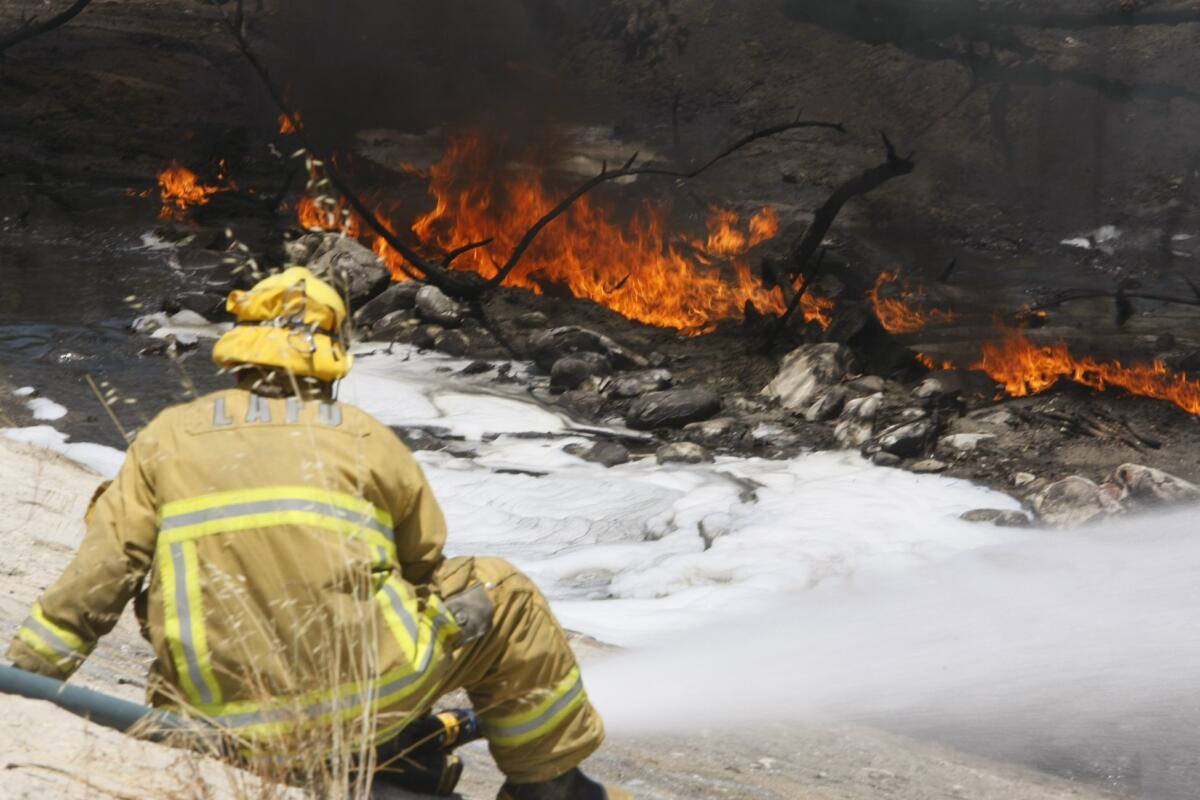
(1078,653)
(63,316)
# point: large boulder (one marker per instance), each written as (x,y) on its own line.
(807,372)
(609,454)
(549,346)
(682,453)
(672,409)
(435,307)
(1146,486)
(907,439)
(572,371)
(399,296)
(857,423)
(356,272)
(639,383)
(1073,501)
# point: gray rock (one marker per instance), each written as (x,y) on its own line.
(673,408)
(570,372)
(1073,501)
(477,368)
(884,459)
(425,336)
(682,453)
(610,454)
(356,272)
(929,466)
(639,383)
(906,440)
(209,305)
(582,401)
(1023,479)
(711,432)
(549,346)
(963,442)
(301,250)
(1146,486)
(857,423)
(396,326)
(808,371)
(452,342)
(419,439)
(531,320)
(434,306)
(997,516)
(397,297)
(929,389)
(867,384)
(828,405)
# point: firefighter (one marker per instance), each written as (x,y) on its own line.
(285,553)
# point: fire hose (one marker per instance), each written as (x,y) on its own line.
(420,759)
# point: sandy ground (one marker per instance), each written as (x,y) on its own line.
(41,506)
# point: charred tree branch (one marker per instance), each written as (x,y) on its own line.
(894,166)
(33,28)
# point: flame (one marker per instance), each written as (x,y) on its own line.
(180,189)
(286,128)
(636,269)
(904,314)
(326,214)
(928,361)
(1026,368)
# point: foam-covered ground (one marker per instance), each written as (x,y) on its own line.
(629,552)
(620,551)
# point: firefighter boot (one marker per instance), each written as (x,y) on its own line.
(572,786)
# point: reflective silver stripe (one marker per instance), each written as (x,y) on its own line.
(507,732)
(269,506)
(351,701)
(186,640)
(398,606)
(53,639)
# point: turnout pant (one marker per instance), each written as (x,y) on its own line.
(521,676)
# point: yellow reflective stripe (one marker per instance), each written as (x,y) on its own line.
(310,519)
(68,637)
(199,641)
(316,495)
(516,729)
(400,611)
(175,605)
(252,719)
(63,663)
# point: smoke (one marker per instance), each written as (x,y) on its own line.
(356,64)
(1073,652)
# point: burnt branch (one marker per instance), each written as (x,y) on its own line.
(868,181)
(466,248)
(32,27)
(894,166)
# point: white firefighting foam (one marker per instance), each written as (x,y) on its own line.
(630,552)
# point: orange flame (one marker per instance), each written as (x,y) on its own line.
(1025,368)
(928,361)
(636,269)
(180,189)
(904,314)
(286,128)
